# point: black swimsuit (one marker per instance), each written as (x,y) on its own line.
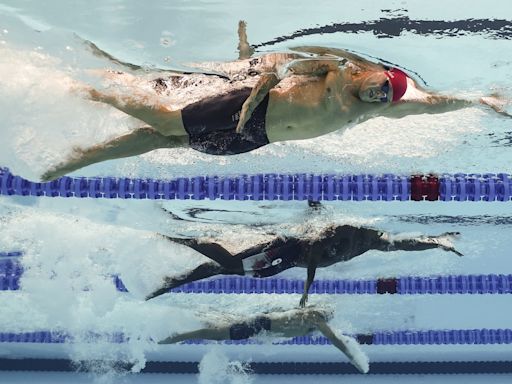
(211,124)
(241,331)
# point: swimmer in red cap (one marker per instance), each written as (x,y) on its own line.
(235,107)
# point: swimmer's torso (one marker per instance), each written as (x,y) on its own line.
(299,107)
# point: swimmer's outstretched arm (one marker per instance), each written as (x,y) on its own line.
(134,143)
(349,346)
(433,104)
(420,243)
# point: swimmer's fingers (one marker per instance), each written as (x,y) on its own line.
(303,300)
(244,49)
(452,249)
(445,242)
(496,103)
(456,252)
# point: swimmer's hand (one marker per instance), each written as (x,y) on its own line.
(303,300)
(244,117)
(444,241)
(497,103)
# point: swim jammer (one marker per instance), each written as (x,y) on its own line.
(211,124)
(241,331)
(273,260)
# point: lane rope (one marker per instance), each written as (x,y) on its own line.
(482,336)
(328,187)
(11,272)
(274,368)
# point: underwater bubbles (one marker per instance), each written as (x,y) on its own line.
(167,39)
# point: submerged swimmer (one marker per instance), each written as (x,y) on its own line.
(292,323)
(334,244)
(239,106)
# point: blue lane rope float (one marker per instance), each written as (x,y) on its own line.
(11,272)
(11,254)
(277,368)
(400,337)
(329,187)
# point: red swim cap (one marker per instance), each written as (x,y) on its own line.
(398,80)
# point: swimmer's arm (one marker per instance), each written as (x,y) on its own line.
(266,82)
(311,67)
(341,53)
(432,104)
(347,345)
(245,51)
(311,277)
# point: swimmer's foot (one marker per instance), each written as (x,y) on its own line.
(56,172)
(62,169)
(169,283)
(444,241)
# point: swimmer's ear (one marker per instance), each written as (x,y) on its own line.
(245,51)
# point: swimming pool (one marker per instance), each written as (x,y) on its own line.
(73,247)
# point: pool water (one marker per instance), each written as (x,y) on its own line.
(72,247)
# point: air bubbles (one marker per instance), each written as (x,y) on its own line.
(167,39)
(167,59)
(148,67)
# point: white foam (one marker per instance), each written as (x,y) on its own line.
(215,367)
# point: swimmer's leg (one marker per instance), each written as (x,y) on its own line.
(245,51)
(134,143)
(217,333)
(421,243)
(202,272)
(166,121)
(232,264)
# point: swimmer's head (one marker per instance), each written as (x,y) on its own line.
(384,87)
(375,89)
